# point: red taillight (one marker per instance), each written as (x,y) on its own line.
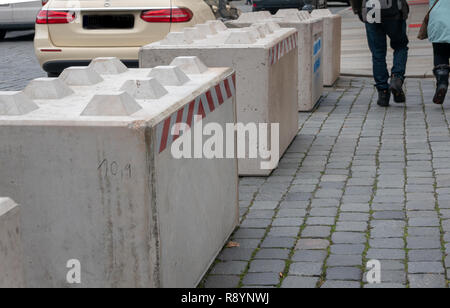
(168,15)
(55,17)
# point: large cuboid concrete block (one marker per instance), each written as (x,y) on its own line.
(332,48)
(265,60)
(104,188)
(11,262)
(310,50)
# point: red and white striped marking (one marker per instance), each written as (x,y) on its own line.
(283,48)
(203,105)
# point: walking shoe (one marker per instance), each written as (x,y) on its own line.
(384,96)
(442,73)
(396,88)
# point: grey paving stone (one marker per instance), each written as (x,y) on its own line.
(264,205)
(385,286)
(284,231)
(249,233)
(320,221)
(348,238)
(389,215)
(359,217)
(426,268)
(423,242)
(309,256)
(312,244)
(423,281)
(229,268)
(305,269)
(261,279)
(336,284)
(316,232)
(344,260)
(289,213)
(279,254)
(236,254)
(278,242)
(256,223)
(298,282)
(386,254)
(425,255)
(344,273)
(267,266)
(424,231)
(260,214)
(351,226)
(287,222)
(323,212)
(222,282)
(347,249)
(394,243)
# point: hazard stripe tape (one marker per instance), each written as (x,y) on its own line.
(282,48)
(203,105)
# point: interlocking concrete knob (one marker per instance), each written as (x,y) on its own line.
(108,66)
(117,104)
(194,34)
(177,38)
(169,75)
(15,103)
(207,29)
(287,13)
(218,25)
(242,37)
(304,15)
(321,13)
(273,26)
(80,76)
(190,65)
(47,88)
(263,29)
(254,16)
(148,88)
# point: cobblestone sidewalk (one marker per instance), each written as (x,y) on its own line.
(358,183)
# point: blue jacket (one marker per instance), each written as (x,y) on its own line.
(439,24)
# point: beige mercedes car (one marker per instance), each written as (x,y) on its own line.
(73,32)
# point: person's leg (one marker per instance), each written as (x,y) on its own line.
(441,53)
(396,30)
(441,71)
(376,38)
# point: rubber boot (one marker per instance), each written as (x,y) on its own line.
(442,73)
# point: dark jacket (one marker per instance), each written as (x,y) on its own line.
(398,10)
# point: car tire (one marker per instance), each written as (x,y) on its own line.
(52,75)
(2,34)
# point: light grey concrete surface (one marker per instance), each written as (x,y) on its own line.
(265,60)
(93,171)
(11,259)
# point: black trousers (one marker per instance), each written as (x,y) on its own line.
(441,53)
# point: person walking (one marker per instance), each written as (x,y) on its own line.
(391,23)
(249,2)
(439,35)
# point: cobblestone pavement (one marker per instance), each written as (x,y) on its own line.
(358,183)
(18,64)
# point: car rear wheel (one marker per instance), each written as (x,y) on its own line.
(52,75)
(2,35)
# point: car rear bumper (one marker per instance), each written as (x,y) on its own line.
(58,66)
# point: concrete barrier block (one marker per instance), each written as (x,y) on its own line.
(108,66)
(218,25)
(310,52)
(80,76)
(266,61)
(194,34)
(15,103)
(207,29)
(332,37)
(102,190)
(11,267)
(47,88)
(254,16)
